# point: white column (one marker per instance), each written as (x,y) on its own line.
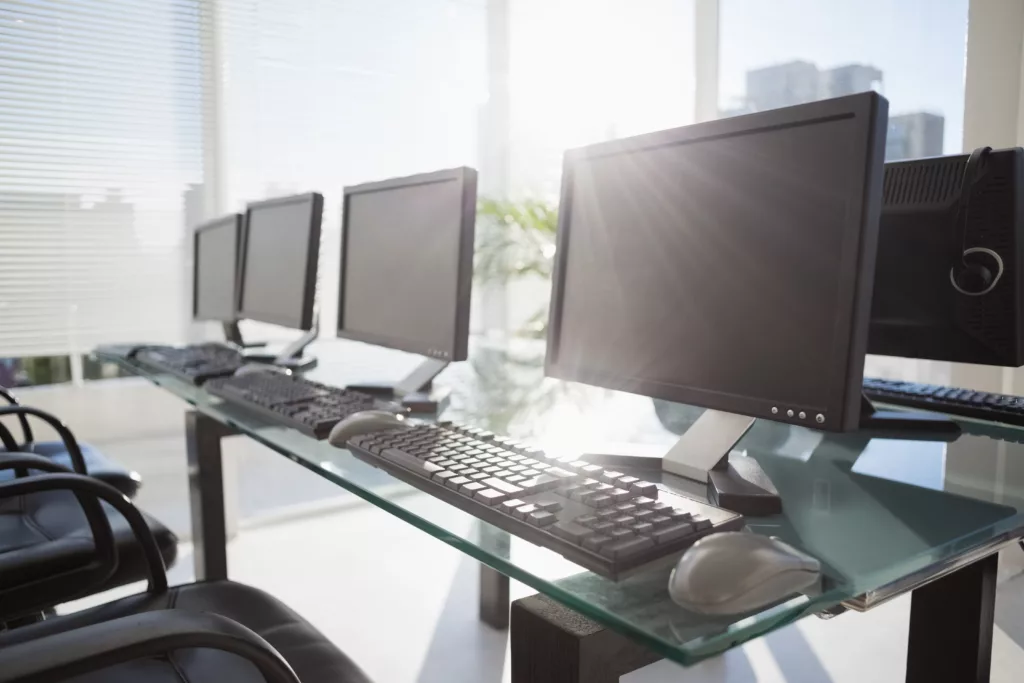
(705,42)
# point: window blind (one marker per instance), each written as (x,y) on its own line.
(100,171)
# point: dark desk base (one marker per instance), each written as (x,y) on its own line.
(951,619)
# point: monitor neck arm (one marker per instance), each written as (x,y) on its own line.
(420,379)
(233,334)
(295,349)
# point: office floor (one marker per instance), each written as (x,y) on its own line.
(377,578)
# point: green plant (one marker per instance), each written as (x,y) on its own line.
(516,239)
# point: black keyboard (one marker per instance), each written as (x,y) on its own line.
(196,363)
(980,405)
(291,401)
(606,521)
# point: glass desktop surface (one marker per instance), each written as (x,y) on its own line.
(882,515)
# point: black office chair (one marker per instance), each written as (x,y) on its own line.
(96,463)
(55,544)
(206,631)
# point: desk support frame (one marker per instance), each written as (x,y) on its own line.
(206,494)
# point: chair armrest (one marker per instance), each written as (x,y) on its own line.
(151,634)
(7,439)
(87,487)
(25,428)
(70,443)
(27,461)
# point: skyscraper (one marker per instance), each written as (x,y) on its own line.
(915,135)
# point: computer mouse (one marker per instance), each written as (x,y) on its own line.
(734,572)
(363,422)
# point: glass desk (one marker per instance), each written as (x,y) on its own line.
(884,516)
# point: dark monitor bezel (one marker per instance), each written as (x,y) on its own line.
(312,258)
(843,405)
(203,227)
(464,277)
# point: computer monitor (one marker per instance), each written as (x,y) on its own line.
(406,272)
(278,266)
(728,265)
(940,215)
(214,281)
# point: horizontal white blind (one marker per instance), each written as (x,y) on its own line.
(100,171)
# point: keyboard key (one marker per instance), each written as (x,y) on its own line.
(604,488)
(432,468)
(585,496)
(490,496)
(549,505)
(620,495)
(611,477)
(661,508)
(626,508)
(659,521)
(443,476)
(510,506)
(559,473)
(538,483)
(570,531)
(677,515)
(627,548)
(477,476)
(624,521)
(456,482)
(700,523)
(602,527)
(542,518)
(626,482)
(643,502)
(643,528)
(587,520)
(525,510)
(403,459)
(514,479)
(592,470)
(607,514)
(644,488)
(591,484)
(620,534)
(471,488)
(502,474)
(672,533)
(644,515)
(530,472)
(596,541)
(600,500)
(490,469)
(503,486)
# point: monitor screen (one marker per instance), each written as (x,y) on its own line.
(721,264)
(407,249)
(279,260)
(216,258)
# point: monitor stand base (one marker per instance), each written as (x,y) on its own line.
(899,424)
(416,391)
(290,358)
(702,456)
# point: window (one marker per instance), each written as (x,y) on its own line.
(100,141)
(785,52)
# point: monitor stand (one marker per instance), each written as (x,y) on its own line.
(417,391)
(901,424)
(233,335)
(701,456)
(290,357)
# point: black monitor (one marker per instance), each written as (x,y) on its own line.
(214,280)
(728,265)
(407,269)
(940,215)
(278,265)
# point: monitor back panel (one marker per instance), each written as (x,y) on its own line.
(281,246)
(215,284)
(916,313)
(407,263)
(727,264)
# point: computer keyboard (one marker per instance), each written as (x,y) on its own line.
(606,521)
(966,402)
(196,363)
(291,401)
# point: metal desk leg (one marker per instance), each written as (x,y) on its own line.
(553,644)
(206,493)
(493,584)
(951,623)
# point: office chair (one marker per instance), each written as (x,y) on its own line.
(56,544)
(96,463)
(199,632)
